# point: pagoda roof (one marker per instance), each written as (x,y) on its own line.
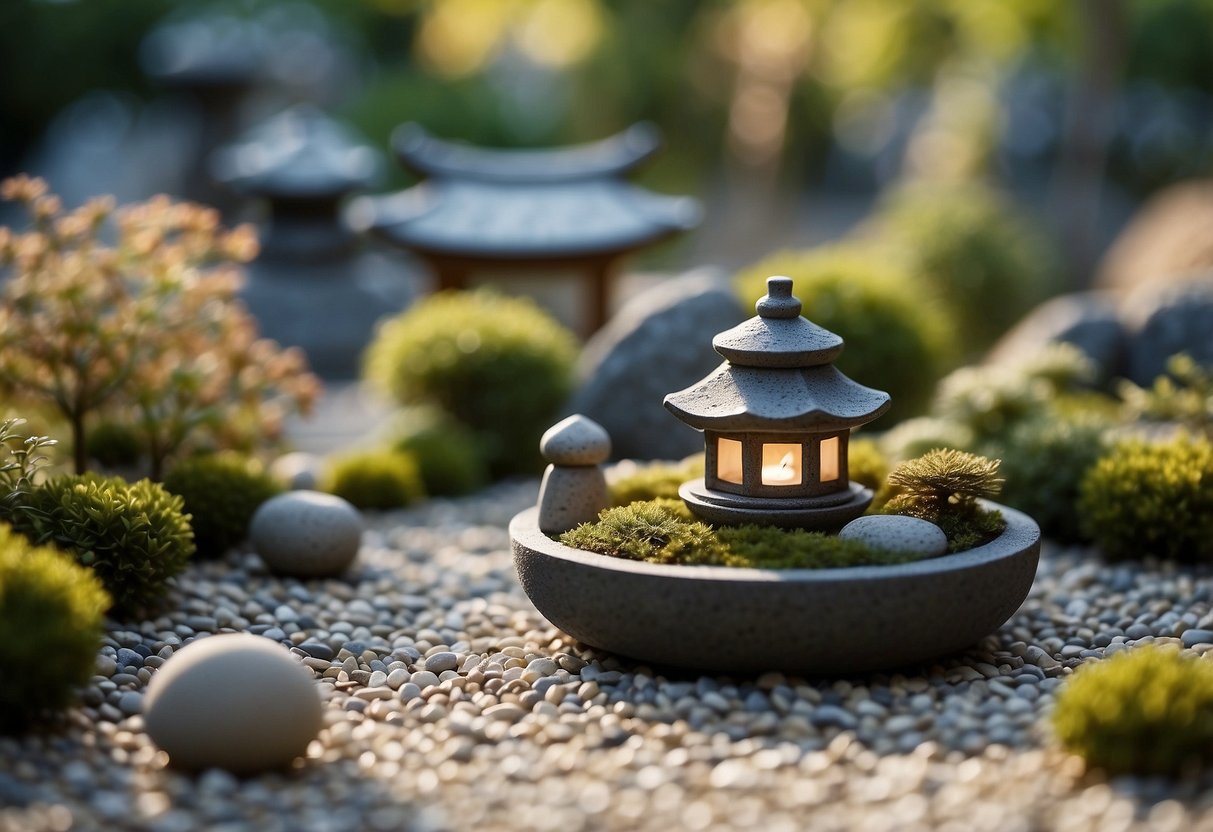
(740,398)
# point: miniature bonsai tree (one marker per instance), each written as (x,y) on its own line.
(220,492)
(147,329)
(1151,498)
(1143,711)
(51,613)
(133,536)
(943,486)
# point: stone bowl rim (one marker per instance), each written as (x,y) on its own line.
(1021,531)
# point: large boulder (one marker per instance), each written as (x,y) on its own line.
(660,342)
(1166,241)
(1088,320)
(1169,319)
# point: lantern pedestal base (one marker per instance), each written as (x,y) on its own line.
(829,511)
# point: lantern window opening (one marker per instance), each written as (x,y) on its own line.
(729,461)
(829,457)
(782,463)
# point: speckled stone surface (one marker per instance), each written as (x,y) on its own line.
(306,533)
(807,621)
(196,713)
(570,496)
(575,440)
(897,534)
(828,511)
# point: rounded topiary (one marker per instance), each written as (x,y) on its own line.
(975,249)
(51,614)
(447,454)
(1143,711)
(134,536)
(896,340)
(374,479)
(499,365)
(1151,498)
(220,493)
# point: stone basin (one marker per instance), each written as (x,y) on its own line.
(804,621)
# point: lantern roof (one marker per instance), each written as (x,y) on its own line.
(778,376)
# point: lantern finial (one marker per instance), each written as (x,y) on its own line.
(778,302)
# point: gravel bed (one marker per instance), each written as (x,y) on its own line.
(451,704)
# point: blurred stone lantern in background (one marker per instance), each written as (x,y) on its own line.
(532,213)
(777,417)
(314,285)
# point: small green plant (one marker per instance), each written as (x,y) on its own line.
(134,536)
(896,340)
(1147,711)
(1151,498)
(978,253)
(447,454)
(652,480)
(220,492)
(943,486)
(379,479)
(51,614)
(1184,395)
(664,531)
(499,365)
(146,331)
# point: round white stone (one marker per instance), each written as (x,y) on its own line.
(236,701)
(306,533)
(577,440)
(897,533)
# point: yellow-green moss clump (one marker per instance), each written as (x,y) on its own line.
(653,480)
(379,479)
(1151,498)
(1143,711)
(447,454)
(663,531)
(943,486)
(50,619)
(220,493)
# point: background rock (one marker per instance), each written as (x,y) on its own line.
(1088,320)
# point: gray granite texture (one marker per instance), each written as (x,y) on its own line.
(575,440)
(570,496)
(822,621)
(659,342)
(824,512)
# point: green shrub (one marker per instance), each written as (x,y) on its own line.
(1044,462)
(498,365)
(380,479)
(447,454)
(50,622)
(977,252)
(652,480)
(896,340)
(114,445)
(943,486)
(664,531)
(220,493)
(134,536)
(867,463)
(1184,395)
(1151,498)
(1147,711)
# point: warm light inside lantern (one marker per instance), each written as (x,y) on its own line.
(728,460)
(829,458)
(780,464)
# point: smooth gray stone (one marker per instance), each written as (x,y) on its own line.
(823,621)
(1170,319)
(1194,637)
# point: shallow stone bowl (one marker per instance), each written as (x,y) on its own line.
(806,621)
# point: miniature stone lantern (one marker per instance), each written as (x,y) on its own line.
(776,418)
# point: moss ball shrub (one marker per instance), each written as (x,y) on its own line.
(663,531)
(943,486)
(51,612)
(220,493)
(1044,462)
(1146,498)
(446,453)
(631,481)
(134,536)
(896,339)
(499,365)
(377,479)
(1147,711)
(975,249)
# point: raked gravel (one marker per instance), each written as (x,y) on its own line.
(451,704)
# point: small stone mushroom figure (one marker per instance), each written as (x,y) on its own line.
(574,489)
